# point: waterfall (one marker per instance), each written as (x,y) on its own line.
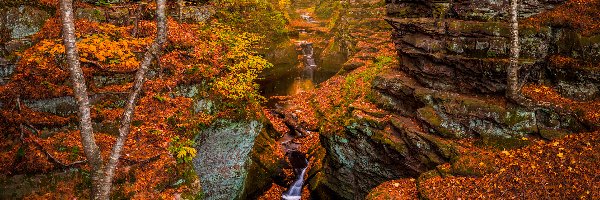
(295,190)
(307,51)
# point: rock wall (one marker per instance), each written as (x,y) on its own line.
(22,21)
(455,52)
(462,46)
(17,22)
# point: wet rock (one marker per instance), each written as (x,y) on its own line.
(6,70)
(113,79)
(188,91)
(352,64)
(579,90)
(204,106)
(266,166)
(62,106)
(497,10)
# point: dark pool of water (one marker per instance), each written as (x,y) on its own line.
(293,78)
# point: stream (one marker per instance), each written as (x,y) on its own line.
(304,71)
(297,159)
(288,79)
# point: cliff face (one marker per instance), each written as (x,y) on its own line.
(457,51)
(463,46)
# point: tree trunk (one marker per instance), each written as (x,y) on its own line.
(90,148)
(180,4)
(512,73)
(124,128)
(102,175)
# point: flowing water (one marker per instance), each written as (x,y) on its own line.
(286,79)
(305,72)
(299,163)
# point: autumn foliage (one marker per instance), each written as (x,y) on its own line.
(581,15)
(218,60)
(562,169)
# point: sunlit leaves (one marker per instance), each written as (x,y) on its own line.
(183,149)
(240,65)
(114,54)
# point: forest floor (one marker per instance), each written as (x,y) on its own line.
(565,168)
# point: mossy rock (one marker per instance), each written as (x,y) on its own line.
(472,165)
(472,27)
(440,125)
(551,134)
(423,194)
(502,143)
(445,148)
(91,14)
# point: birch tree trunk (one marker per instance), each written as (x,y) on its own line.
(102,175)
(140,76)
(512,73)
(180,4)
(92,152)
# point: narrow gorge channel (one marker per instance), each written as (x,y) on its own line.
(288,79)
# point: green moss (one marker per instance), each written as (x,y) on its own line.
(440,10)
(448,150)
(327,8)
(430,116)
(501,143)
(513,117)
(492,54)
(488,28)
(472,165)
(384,138)
(474,105)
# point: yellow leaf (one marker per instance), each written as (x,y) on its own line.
(181,154)
(560,155)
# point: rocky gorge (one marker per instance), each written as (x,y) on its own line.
(447,86)
(409,102)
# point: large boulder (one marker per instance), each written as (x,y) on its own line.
(373,150)
(233,159)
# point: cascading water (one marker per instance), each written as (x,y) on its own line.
(309,61)
(307,51)
(299,163)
